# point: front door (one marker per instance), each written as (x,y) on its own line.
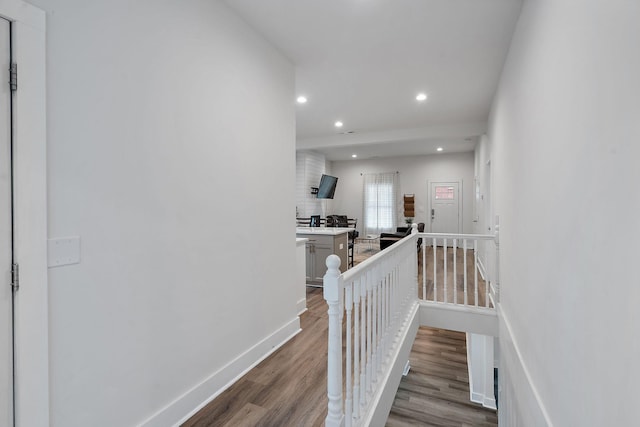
(445,207)
(6,310)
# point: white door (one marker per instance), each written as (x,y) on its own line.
(445,207)
(6,313)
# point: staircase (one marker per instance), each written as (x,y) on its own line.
(375,310)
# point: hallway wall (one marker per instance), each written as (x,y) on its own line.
(564,135)
(414,172)
(164,118)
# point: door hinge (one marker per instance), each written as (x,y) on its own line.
(15,276)
(13,77)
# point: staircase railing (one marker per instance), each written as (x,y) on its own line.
(373,306)
(450,273)
(369,306)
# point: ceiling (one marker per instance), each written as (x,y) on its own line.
(364,61)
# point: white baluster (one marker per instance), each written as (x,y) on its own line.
(383,344)
(444,248)
(464,254)
(331,290)
(475,269)
(348,402)
(363,340)
(356,348)
(369,329)
(374,330)
(455,271)
(435,265)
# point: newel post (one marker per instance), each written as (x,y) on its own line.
(414,264)
(332,295)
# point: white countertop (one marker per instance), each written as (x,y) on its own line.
(328,231)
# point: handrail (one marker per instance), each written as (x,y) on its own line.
(458,236)
(369,304)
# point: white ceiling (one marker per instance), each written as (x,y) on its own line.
(364,61)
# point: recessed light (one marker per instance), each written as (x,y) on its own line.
(338,124)
(302,99)
(421,97)
(354,155)
(439,149)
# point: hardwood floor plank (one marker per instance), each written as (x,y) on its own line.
(249,415)
(436,390)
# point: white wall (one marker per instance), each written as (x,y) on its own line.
(168,123)
(414,174)
(484,218)
(310,166)
(564,133)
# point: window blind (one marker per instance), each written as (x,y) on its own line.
(379,199)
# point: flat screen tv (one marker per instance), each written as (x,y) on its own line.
(327,187)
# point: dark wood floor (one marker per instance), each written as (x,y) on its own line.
(436,390)
(289,387)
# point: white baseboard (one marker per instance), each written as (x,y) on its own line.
(487,402)
(518,398)
(479,394)
(482,270)
(301,306)
(185,406)
(477,397)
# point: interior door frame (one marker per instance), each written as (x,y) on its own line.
(31,333)
(460,204)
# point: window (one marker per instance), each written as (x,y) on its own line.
(445,193)
(379,197)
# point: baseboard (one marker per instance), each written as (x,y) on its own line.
(474,395)
(482,270)
(301,306)
(518,396)
(477,397)
(185,406)
(487,402)
(383,400)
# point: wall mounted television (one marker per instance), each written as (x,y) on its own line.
(327,187)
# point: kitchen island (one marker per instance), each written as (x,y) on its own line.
(322,242)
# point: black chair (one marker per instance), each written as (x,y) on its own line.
(303,222)
(388,239)
(315,221)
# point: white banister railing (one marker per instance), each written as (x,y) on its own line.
(372,306)
(443,257)
(369,306)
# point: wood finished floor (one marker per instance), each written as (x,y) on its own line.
(436,390)
(289,387)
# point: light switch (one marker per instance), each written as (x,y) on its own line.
(63,251)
